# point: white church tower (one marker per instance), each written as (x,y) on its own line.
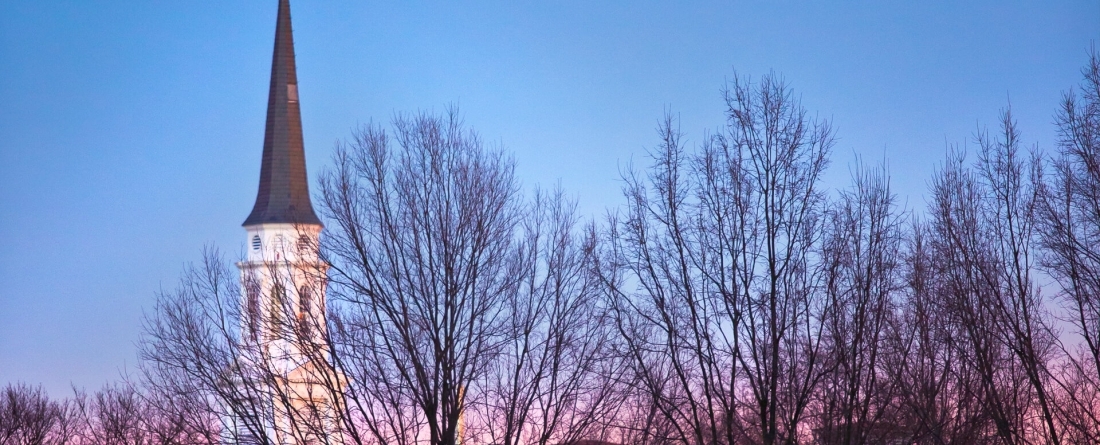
(283,280)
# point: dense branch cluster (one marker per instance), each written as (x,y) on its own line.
(115,415)
(732,299)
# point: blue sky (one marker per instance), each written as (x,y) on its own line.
(131,132)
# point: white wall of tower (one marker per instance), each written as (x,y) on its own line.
(282,287)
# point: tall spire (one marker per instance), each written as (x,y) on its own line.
(284,190)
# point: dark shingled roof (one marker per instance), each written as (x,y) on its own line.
(284,190)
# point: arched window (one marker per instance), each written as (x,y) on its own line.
(278,305)
(256,242)
(305,310)
(252,306)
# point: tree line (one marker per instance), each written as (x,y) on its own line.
(730,299)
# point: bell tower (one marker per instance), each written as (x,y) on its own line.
(282,325)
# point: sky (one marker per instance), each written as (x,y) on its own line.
(131,132)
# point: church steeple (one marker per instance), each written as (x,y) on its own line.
(283,196)
(283,281)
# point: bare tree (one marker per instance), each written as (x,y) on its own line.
(711,274)
(424,261)
(783,154)
(117,414)
(1011,183)
(462,312)
(190,344)
(664,309)
(961,244)
(114,415)
(1070,233)
(29,417)
(202,369)
(984,220)
(178,418)
(555,381)
(862,279)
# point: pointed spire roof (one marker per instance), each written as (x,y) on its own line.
(284,190)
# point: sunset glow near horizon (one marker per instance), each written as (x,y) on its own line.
(131,132)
